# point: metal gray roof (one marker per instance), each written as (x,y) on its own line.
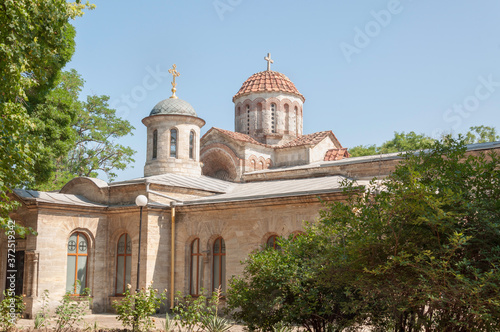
(201,182)
(274,189)
(55,198)
(173,106)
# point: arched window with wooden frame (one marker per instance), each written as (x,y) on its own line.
(191,144)
(123,263)
(272,242)
(77,260)
(219,264)
(195,268)
(155,144)
(173,143)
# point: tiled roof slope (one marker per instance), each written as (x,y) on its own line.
(236,136)
(336,154)
(310,139)
(268,81)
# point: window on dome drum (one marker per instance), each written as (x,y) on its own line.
(155,144)
(77,257)
(195,269)
(272,242)
(296,120)
(191,145)
(248,119)
(173,143)
(123,263)
(273,115)
(219,264)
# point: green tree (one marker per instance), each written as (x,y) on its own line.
(411,141)
(283,287)
(481,134)
(36,41)
(422,248)
(78,136)
(401,142)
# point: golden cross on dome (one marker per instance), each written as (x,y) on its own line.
(175,74)
(269,61)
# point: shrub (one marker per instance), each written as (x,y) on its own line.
(11,309)
(135,310)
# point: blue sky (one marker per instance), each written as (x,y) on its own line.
(366,68)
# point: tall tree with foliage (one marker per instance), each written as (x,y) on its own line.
(423,247)
(36,41)
(481,134)
(412,141)
(417,251)
(79,137)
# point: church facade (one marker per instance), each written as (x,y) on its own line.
(211,201)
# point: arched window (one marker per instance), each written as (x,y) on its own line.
(155,144)
(297,234)
(252,162)
(191,145)
(272,242)
(219,264)
(258,116)
(287,118)
(123,263)
(76,275)
(173,143)
(196,260)
(248,119)
(273,115)
(296,120)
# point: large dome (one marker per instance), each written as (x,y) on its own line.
(268,81)
(173,106)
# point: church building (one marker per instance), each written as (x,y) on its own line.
(203,204)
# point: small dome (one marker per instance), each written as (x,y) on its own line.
(173,106)
(268,81)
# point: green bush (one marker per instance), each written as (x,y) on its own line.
(200,314)
(11,309)
(135,310)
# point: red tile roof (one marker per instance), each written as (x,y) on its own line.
(336,154)
(236,136)
(268,81)
(310,139)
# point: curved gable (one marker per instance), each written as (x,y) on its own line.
(93,189)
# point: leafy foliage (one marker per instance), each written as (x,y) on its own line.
(423,247)
(481,134)
(11,308)
(72,309)
(280,288)
(78,136)
(198,314)
(411,142)
(135,310)
(417,251)
(36,41)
